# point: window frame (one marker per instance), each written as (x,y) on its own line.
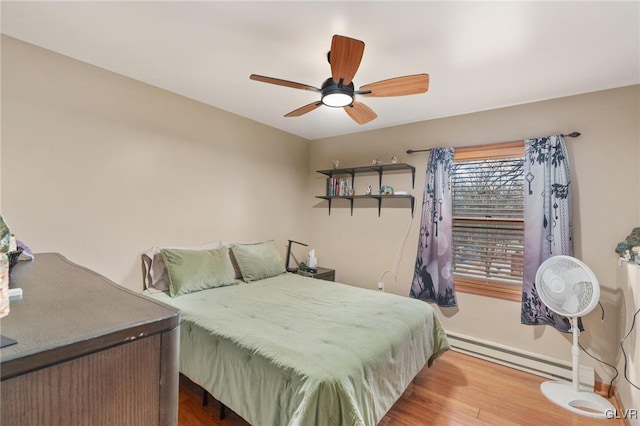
(489,288)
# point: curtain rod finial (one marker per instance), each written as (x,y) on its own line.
(573,134)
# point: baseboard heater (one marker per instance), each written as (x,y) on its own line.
(519,359)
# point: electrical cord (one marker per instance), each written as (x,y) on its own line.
(397,258)
(624,354)
(602,308)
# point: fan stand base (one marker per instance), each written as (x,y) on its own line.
(581,402)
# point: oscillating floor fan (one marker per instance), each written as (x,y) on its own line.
(568,287)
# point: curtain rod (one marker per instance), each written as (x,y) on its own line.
(570,135)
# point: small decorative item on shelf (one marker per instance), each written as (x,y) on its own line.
(368,192)
(386,190)
(336,163)
(376,162)
(394,160)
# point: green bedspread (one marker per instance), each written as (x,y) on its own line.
(293,350)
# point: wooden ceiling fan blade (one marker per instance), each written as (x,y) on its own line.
(399,86)
(360,113)
(345,56)
(303,110)
(285,83)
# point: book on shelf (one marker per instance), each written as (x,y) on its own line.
(339,187)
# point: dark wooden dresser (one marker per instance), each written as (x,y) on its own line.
(89,352)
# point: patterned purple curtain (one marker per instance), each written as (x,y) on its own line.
(433,275)
(547,221)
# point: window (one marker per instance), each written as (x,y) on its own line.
(488,220)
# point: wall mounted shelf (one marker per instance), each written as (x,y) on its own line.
(379,169)
(377,197)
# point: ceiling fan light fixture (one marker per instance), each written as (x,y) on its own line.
(336,95)
(337,99)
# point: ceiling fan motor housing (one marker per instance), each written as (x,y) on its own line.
(337,95)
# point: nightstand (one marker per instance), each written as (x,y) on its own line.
(322,274)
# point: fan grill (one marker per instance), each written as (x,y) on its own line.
(582,294)
(566,287)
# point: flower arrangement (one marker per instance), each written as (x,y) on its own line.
(630,247)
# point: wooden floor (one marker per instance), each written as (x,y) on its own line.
(457,390)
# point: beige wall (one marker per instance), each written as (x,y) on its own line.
(100,167)
(1,44)
(604,166)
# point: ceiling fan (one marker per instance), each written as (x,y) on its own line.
(338,90)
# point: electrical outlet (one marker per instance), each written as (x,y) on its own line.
(380,285)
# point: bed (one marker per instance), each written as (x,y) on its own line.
(294,350)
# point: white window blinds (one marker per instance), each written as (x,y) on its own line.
(488,219)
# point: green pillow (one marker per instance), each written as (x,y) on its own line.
(194,270)
(258,261)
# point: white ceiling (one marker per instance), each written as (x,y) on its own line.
(479,55)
